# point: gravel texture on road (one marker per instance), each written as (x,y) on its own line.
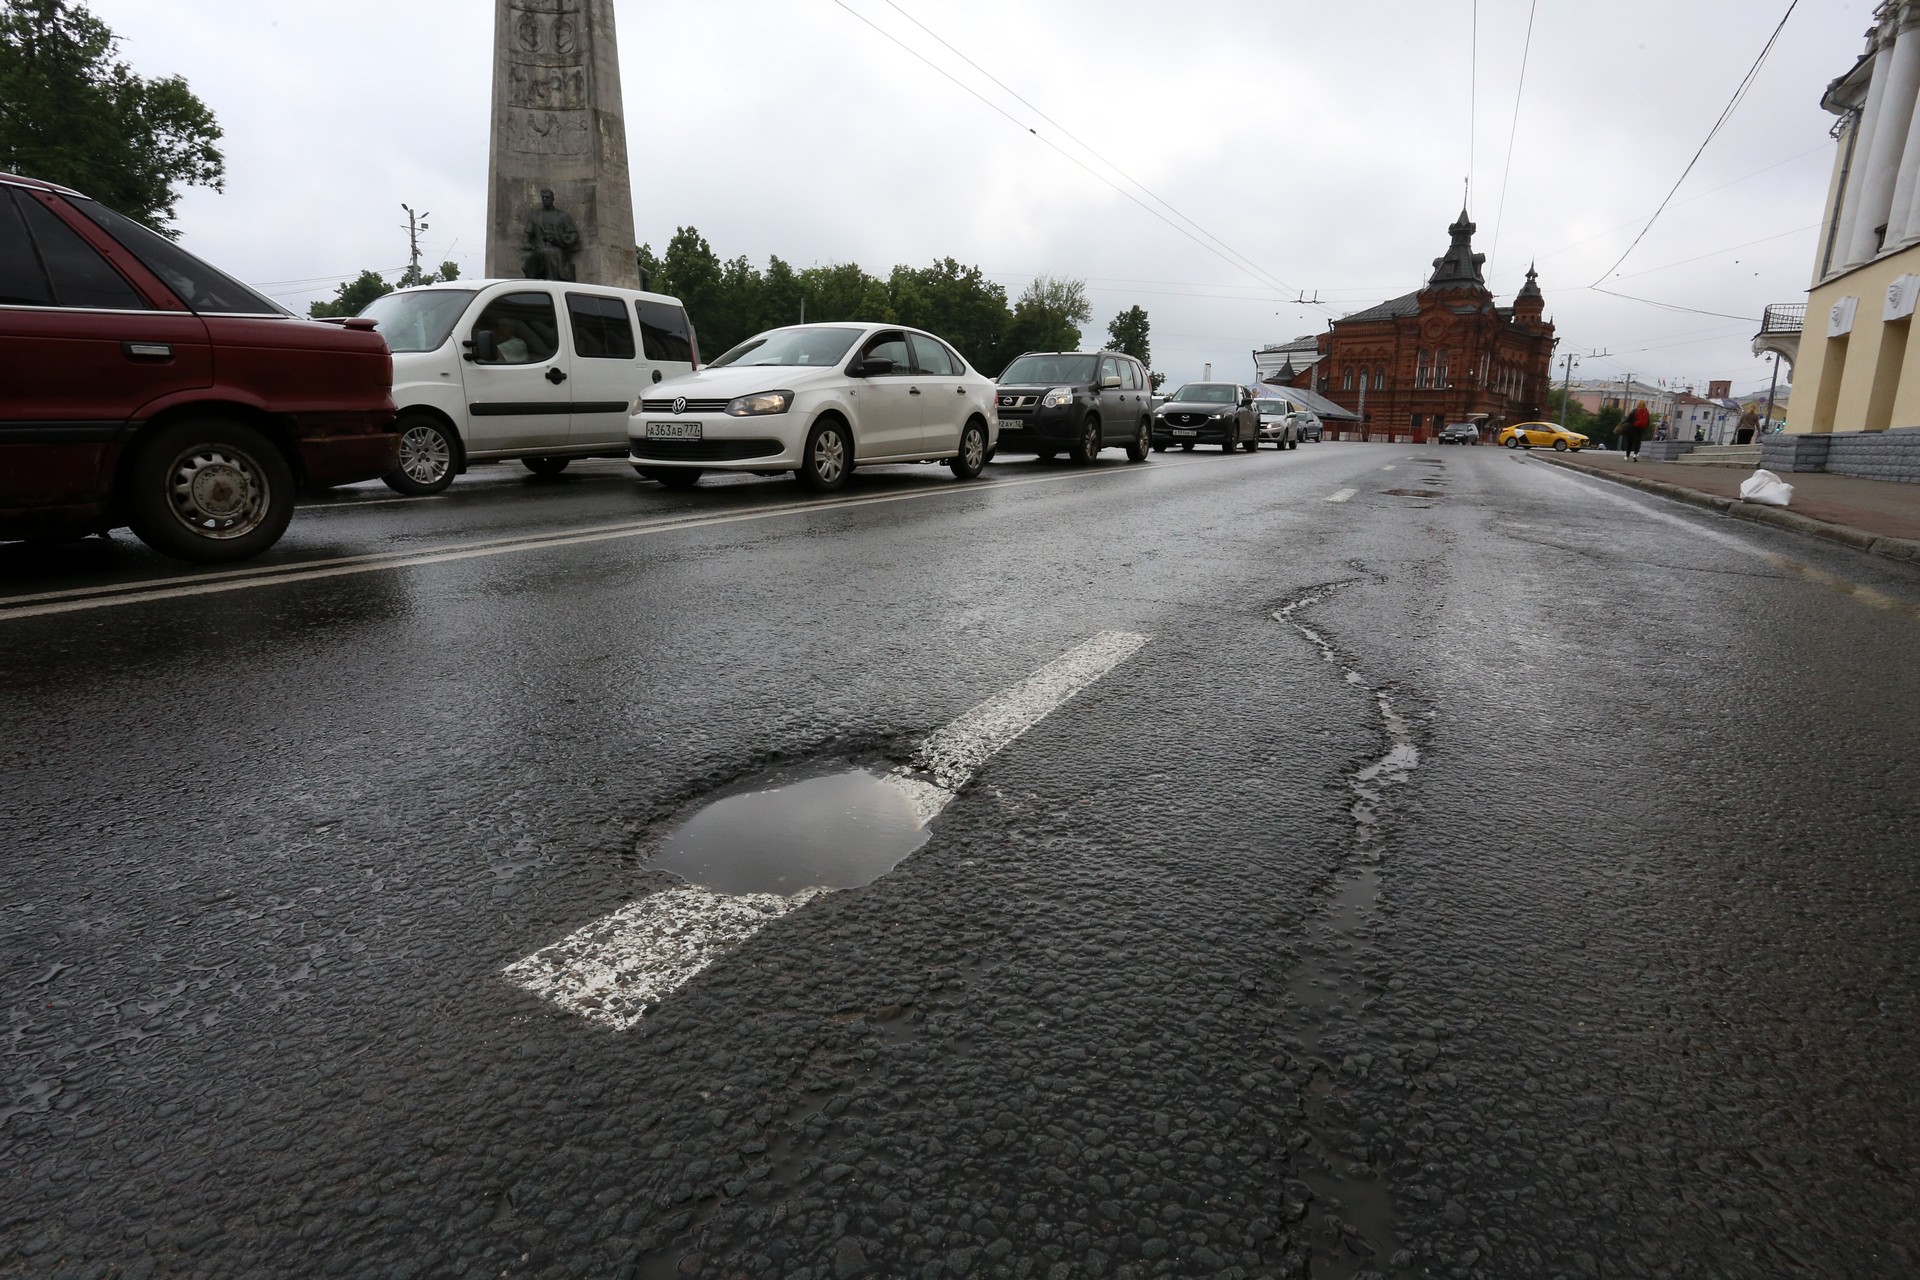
(1505,876)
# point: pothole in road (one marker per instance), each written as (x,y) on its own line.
(1414,493)
(794,830)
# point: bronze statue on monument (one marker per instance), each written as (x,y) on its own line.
(550,242)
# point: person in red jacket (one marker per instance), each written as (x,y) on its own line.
(1633,429)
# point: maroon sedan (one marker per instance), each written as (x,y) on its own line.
(139,386)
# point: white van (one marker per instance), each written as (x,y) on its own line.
(545,371)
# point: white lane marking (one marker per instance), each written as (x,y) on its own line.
(1341,495)
(614,969)
(1388,467)
(79,598)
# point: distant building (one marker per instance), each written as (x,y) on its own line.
(1703,418)
(1850,346)
(1443,353)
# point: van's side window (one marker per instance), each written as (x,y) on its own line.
(80,276)
(601,330)
(523,327)
(663,331)
(22,281)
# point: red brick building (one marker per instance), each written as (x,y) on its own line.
(1443,353)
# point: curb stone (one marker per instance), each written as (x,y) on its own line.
(1906,549)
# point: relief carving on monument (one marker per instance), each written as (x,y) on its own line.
(547,133)
(546,88)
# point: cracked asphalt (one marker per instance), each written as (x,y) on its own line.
(1496,874)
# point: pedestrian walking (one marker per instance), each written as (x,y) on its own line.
(1633,429)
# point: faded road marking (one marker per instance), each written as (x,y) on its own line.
(215,582)
(617,968)
(1341,495)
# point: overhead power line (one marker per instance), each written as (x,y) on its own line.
(1671,306)
(1264,277)
(1501,211)
(1740,91)
(1249,263)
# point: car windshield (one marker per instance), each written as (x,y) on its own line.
(203,288)
(1034,370)
(417,321)
(811,348)
(1207,393)
(1270,408)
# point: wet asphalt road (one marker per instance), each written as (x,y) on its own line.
(1495,873)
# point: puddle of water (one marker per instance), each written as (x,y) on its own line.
(834,831)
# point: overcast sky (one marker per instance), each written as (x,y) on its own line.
(1327,143)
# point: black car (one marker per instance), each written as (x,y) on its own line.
(1220,413)
(1460,433)
(1077,401)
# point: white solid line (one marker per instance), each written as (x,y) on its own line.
(1341,495)
(80,598)
(616,968)
(1388,467)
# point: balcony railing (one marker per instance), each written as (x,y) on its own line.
(1784,317)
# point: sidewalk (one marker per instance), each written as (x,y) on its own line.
(1873,515)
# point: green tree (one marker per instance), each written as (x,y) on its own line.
(958,303)
(1128,332)
(72,113)
(351,298)
(1048,316)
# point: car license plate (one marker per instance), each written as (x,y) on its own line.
(1010,424)
(673,431)
(1179,432)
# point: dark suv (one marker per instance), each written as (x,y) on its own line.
(1079,401)
(1460,433)
(140,386)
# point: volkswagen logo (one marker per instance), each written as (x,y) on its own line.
(679,404)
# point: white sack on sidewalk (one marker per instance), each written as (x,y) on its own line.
(1767,488)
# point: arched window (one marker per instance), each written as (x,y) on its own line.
(1380,378)
(1419,369)
(1440,369)
(1346,380)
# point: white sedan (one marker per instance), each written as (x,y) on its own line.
(817,400)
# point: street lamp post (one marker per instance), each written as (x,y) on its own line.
(1772,386)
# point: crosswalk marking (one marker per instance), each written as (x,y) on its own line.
(1341,495)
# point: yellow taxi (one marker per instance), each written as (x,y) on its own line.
(1539,435)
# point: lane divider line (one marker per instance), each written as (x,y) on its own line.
(218,581)
(1341,495)
(616,969)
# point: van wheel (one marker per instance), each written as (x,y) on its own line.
(427,454)
(1252,445)
(545,466)
(827,458)
(1141,445)
(209,491)
(674,477)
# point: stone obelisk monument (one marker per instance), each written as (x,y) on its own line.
(558,128)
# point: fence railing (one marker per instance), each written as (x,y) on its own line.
(1784,317)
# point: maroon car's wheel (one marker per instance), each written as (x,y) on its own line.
(209,491)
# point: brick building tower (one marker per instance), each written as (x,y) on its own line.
(1443,353)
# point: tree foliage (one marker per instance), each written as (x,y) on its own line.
(1128,332)
(72,113)
(730,300)
(351,298)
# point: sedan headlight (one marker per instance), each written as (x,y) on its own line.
(764,402)
(1217,417)
(1057,397)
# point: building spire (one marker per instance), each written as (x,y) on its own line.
(1459,267)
